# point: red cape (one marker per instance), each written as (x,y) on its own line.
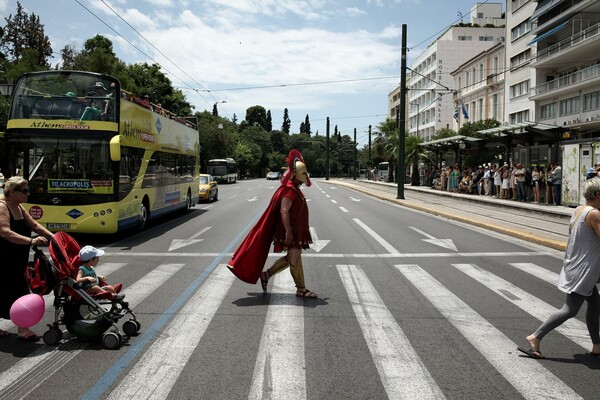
(249,259)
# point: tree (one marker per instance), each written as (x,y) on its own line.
(215,111)
(23,36)
(269,122)
(150,80)
(305,126)
(97,55)
(285,126)
(256,116)
(68,55)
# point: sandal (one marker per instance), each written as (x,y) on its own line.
(306,294)
(4,333)
(264,280)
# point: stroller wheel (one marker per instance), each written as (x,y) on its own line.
(52,337)
(131,327)
(111,340)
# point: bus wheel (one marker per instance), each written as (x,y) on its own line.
(144,214)
(188,201)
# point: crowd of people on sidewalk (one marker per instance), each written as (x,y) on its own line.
(511,182)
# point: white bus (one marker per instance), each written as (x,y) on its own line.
(224,170)
(383,171)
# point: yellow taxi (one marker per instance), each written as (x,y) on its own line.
(209,190)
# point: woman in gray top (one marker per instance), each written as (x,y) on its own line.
(579,274)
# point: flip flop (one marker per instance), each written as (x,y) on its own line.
(306,294)
(532,353)
(4,333)
(29,337)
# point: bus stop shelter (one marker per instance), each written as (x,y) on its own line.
(459,144)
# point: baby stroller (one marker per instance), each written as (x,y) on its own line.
(84,315)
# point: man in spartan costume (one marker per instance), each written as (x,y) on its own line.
(285,224)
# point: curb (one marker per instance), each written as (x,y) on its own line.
(527,236)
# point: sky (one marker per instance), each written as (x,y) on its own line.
(321,58)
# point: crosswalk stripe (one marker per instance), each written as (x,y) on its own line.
(537,271)
(156,372)
(391,249)
(527,376)
(401,371)
(106,269)
(280,368)
(30,372)
(573,329)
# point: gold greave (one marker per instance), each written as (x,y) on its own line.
(278,266)
(298,274)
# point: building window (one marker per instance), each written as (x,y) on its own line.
(486,38)
(591,101)
(569,106)
(495,106)
(480,110)
(520,59)
(517,4)
(465,38)
(548,111)
(521,116)
(467,81)
(519,89)
(496,65)
(480,72)
(522,29)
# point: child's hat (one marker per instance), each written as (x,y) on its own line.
(88,252)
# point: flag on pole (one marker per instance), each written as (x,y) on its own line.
(464,111)
(456,114)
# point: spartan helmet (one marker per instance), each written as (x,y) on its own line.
(300,171)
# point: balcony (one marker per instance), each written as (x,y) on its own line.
(578,46)
(565,83)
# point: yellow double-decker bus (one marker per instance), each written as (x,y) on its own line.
(97,159)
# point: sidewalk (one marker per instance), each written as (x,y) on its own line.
(536,223)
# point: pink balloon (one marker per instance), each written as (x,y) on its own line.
(27,310)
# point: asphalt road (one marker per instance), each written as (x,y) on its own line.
(411,306)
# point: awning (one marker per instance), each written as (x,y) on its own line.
(548,33)
(520,127)
(453,141)
(543,7)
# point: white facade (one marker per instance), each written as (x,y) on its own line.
(430,101)
(482,82)
(520,77)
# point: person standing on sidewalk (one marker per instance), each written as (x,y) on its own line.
(535,182)
(549,185)
(579,274)
(520,178)
(557,183)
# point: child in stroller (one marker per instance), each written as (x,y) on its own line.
(85,315)
(94,284)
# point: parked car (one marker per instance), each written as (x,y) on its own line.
(274,176)
(209,190)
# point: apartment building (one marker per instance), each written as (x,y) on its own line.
(430,104)
(567,72)
(481,87)
(519,76)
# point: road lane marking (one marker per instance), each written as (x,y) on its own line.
(573,329)
(538,272)
(343,209)
(280,369)
(29,373)
(401,371)
(376,236)
(526,375)
(156,372)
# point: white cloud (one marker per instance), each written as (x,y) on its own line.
(355,12)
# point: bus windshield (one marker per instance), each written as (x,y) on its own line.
(65,165)
(68,95)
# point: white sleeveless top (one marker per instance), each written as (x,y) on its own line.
(581,267)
